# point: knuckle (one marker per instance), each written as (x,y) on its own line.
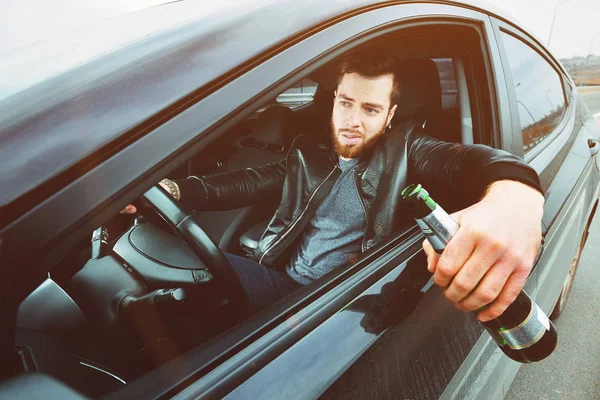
(445,270)
(497,310)
(525,265)
(439,280)
(495,245)
(463,285)
(478,234)
(511,259)
(486,296)
(511,295)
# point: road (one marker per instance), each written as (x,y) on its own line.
(573,370)
(593,101)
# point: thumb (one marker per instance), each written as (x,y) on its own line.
(130,209)
(432,258)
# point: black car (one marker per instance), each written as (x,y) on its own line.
(91,120)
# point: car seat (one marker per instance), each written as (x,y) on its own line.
(421,100)
(271,136)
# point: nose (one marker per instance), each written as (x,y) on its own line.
(353,121)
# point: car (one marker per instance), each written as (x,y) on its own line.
(92,119)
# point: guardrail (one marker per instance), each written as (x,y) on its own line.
(588,89)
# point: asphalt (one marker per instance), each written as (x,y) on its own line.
(593,101)
(573,370)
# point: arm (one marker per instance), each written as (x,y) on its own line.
(233,189)
(492,254)
(463,170)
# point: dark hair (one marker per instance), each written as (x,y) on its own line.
(371,62)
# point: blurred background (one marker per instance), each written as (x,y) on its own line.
(569,28)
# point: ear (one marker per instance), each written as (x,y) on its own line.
(391,114)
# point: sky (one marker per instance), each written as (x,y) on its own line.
(577,21)
(575,25)
(25,21)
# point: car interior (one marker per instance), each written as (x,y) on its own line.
(78,336)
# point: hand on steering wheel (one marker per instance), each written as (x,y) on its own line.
(186,228)
(131,209)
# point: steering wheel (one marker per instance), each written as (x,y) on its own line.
(187,229)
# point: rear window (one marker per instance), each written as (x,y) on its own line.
(448,82)
(298,95)
(302,93)
(539,91)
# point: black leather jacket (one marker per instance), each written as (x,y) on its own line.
(455,175)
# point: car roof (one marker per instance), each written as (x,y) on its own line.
(83,91)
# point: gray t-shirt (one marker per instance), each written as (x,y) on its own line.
(333,237)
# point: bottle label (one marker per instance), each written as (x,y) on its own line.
(529,332)
(437,244)
(439,228)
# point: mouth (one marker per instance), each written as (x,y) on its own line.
(349,138)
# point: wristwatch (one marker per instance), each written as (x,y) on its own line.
(173,188)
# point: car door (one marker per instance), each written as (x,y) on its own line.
(562,159)
(345,344)
(549,133)
(147,152)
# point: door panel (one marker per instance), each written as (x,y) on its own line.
(415,358)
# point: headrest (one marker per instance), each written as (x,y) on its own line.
(274,126)
(420,90)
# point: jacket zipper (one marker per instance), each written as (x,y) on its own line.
(364,210)
(291,226)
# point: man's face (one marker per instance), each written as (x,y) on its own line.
(361,111)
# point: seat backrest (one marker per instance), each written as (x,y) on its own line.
(421,100)
(272,134)
(420,90)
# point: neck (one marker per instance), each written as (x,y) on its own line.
(346,159)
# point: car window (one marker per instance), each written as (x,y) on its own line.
(301,93)
(448,82)
(539,91)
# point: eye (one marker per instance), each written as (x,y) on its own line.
(371,111)
(345,103)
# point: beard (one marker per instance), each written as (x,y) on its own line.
(353,150)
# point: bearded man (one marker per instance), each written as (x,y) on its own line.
(338,202)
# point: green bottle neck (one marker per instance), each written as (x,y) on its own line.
(422,204)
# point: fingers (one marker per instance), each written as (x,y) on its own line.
(432,258)
(488,289)
(455,255)
(508,294)
(130,209)
(478,270)
(164,186)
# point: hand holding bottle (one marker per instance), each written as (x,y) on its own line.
(492,254)
(522,331)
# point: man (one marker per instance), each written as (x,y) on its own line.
(337,203)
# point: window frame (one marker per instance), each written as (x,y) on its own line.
(500,28)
